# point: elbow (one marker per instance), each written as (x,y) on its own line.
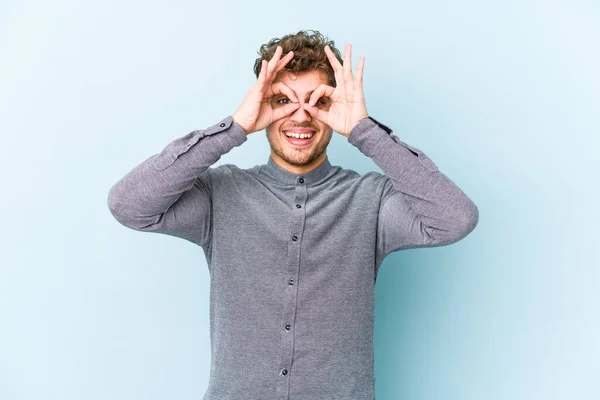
(469,220)
(473,217)
(117,205)
(127,212)
(453,230)
(459,229)
(114,202)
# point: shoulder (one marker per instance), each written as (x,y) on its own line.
(372,178)
(234,169)
(225,171)
(370,183)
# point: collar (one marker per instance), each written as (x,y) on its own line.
(285,176)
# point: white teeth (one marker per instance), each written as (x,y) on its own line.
(299,135)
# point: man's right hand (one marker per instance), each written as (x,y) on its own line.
(256,111)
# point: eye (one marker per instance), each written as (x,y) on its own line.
(321,102)
(283,100)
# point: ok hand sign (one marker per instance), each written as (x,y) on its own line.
(256,112)
(348,105)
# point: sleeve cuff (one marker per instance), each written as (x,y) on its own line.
(367,133)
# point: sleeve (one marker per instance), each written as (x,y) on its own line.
(420,206)
(170,192)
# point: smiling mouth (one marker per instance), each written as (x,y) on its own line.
(299,133)
(299,137)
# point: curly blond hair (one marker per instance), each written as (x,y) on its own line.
(309,53)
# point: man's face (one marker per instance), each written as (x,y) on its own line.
(297,155)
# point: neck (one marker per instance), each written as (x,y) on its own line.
(298,169)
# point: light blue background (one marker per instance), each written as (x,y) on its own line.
(504,98)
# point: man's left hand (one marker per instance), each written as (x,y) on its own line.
(348,105)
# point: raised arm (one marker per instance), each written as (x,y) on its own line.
(170,192)
(420,207)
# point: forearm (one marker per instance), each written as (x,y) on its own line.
(442,206)
(154,185)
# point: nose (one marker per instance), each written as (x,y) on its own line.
(300,115)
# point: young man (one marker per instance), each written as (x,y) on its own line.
(294,246)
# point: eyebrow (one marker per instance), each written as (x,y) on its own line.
(307,93)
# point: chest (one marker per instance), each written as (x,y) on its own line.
(263,219)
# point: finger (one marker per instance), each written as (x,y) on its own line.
(267,93)
(273,62)
(263,71)
(281,88)
(283,62)
(359,70)
(335,63)
(260,84)
(284,111)
(321,90)
(316,113)
(348,63)
(358,79)
(276,56)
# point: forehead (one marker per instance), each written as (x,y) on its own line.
(303,82)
